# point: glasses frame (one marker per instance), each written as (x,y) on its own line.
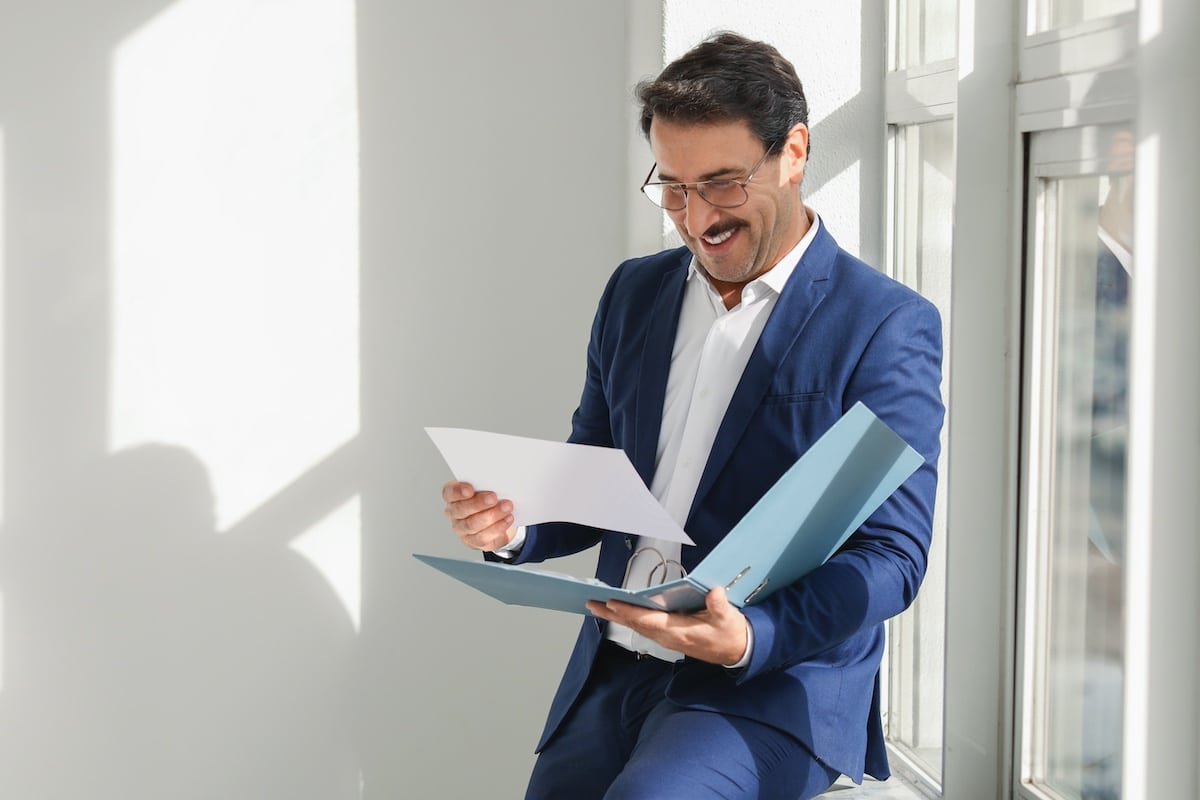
(698,186)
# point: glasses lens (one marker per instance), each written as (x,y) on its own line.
(723,194)
(670,196)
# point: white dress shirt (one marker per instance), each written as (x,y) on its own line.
(712,346)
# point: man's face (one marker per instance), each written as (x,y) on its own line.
(733,245)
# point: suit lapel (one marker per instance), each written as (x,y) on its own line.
(801,295)
(656,365)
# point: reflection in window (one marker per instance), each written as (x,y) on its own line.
(1078,492)
(922,240)
(1053,14)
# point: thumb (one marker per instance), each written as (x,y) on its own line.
(717,602)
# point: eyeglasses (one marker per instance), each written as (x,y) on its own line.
(720,193)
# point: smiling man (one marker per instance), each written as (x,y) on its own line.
(736,233)
(715,366)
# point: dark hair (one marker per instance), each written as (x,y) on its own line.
(728,77)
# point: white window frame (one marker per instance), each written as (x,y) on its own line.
(1009,84)
(904,762)
(1080,75)
(1162,700)
(984,382)
(1053,155)
(913,95)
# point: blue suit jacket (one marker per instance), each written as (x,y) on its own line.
(841,332)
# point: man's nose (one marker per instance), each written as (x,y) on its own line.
(698,214)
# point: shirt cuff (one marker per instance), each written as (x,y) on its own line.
(510,550)
(745,659)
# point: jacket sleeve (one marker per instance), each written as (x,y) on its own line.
(877,572)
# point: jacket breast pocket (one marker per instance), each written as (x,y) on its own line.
(792,398)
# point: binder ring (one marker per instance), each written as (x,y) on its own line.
(663,564)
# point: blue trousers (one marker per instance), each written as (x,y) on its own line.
(624,740)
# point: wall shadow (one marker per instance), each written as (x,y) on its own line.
(150,657)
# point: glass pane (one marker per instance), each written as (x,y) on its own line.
(922,236)
(1079,500)
(928,32)
(1053,14)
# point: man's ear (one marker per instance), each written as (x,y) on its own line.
(795,153)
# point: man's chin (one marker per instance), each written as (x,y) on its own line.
(725,272)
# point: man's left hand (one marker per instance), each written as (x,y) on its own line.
(716,635)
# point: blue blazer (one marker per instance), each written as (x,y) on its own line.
(841,332)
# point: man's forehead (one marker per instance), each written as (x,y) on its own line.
(702,148)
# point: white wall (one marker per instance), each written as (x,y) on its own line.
(178,551)
(477,301)
(249,249)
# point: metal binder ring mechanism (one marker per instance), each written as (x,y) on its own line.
(663,564)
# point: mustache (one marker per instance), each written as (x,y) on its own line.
(720,227)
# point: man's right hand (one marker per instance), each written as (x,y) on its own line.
(480,519)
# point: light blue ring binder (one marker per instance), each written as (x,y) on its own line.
(795,527)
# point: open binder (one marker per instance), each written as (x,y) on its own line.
(795,527)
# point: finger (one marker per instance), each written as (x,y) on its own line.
(454,491)
(620,613)
(491,538)
(643,620)
(598,609)
(483,502)
(477,523)
(609,611)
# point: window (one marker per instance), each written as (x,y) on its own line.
(920,109)
(924,203)
(1081,271)
(925,31)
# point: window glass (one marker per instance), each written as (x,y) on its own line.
(928,32)
(922,237)
(1078,471)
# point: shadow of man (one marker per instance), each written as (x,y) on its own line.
(146,656)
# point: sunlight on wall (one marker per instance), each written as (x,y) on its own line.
(235,251)
(337,555)
(966,40)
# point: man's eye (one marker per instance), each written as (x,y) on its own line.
(674,189)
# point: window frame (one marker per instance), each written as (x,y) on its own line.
(913,96)
(1009,85)
(1053,155)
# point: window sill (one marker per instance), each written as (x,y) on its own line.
(893,789)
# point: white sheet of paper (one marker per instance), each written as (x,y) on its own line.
(557,482)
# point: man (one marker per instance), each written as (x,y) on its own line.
(715,367)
